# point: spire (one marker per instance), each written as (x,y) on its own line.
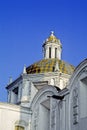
(24,70)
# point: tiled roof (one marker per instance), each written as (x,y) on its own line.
(48,65)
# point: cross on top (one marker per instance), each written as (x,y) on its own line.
(52,33)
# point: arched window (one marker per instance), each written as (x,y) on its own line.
(55,52)
(49,52)
(19,128)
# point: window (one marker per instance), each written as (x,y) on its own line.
(19,128)
(55,52)
(49,52)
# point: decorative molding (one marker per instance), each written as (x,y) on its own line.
(42,94)
(75,106)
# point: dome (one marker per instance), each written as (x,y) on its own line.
(48,65)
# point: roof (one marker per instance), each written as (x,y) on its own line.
(52,39)
(48,65)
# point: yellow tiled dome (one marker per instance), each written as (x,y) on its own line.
(48,65)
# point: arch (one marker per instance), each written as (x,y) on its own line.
(79,73)
(50,90)
(78,70)
(44,109)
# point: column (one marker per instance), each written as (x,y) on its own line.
(53,52)
(47,52)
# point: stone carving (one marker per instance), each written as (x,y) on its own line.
(75,106)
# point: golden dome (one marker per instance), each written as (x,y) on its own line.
(48,65)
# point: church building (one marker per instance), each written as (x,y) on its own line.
(50,94)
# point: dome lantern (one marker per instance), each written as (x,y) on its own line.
(52,47)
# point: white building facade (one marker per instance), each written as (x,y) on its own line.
(45,96)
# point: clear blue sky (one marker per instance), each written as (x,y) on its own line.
(25,24)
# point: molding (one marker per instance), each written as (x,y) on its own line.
(14,82)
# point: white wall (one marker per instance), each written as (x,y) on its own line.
(10,114)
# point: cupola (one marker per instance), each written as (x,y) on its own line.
(52,47)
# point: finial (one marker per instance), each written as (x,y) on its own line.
(47,40)
(56,66)
(24,70)
(52,33)
(10,80)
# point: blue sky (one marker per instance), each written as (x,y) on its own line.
(25,24)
